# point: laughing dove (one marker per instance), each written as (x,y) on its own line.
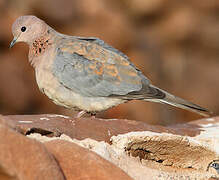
(85,73)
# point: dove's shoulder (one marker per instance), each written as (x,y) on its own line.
(93,48)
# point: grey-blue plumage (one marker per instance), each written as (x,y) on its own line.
(73,70)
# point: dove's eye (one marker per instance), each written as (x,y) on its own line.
(23,29)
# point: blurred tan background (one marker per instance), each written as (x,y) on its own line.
(174,43)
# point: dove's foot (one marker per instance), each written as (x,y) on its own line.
(80,114)
(93,115)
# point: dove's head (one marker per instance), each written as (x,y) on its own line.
(27,29)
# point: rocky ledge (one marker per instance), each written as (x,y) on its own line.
(59,147)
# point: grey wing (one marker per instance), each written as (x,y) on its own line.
(93,78)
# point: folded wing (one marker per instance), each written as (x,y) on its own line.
(94,69)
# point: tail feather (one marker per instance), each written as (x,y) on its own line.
(181,103)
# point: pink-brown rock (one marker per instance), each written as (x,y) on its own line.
(183,150)
(79,163)
(22,158)
(95,128)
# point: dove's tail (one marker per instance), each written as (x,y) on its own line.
(181,103)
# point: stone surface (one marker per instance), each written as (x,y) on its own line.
(24,158)
(183,151)
(98,129)
(167,149)
(80,163)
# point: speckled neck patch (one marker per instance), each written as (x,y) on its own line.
(39,45)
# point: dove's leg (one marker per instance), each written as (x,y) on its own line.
(93,115)
(80,114)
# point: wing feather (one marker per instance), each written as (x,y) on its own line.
(94,69)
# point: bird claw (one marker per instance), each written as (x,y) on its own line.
(80,114)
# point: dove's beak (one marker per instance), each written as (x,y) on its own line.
(13,42)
